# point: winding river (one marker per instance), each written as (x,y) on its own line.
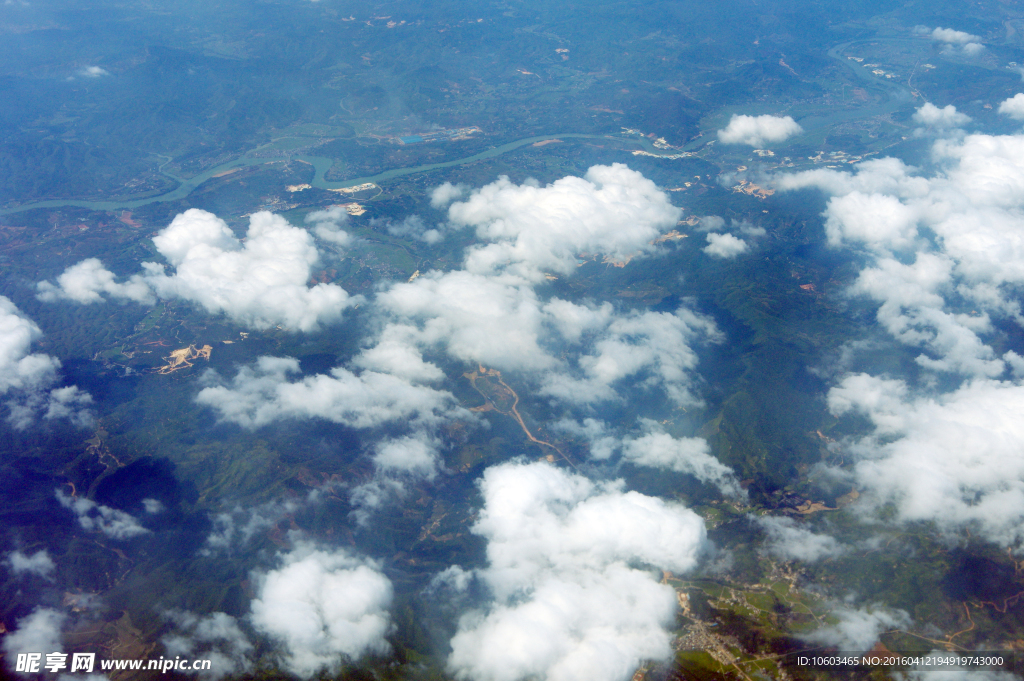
(897,96)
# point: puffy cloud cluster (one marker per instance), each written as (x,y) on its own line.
(27,377)
(952,36)
(89,281)
(973,209)
(568,601)
(489,312)
(39,632)
(611,210)
(956,460)
(260,282)
(327,225)
(262,394)
(493,320)
(1013,107)
(414,227)
(725,245)
(968,44)
(95,517)
(444,194)
(323,608)
(653,345)
(944,119)
(216,637)
(237,526)
(657,449)
(947,259)
(683,455)
(757,131)
(788,540)
(39,564)
(858,630)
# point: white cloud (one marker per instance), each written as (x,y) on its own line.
(1013,107)
(653,345)
(39,563)
(20,370)
(858,630)
(417,455)
(951,36)
(493,320)
(216,638)
(238,525)
(323,608)
(946,117)
(788,540)
(758,131)
(264,393)
(261,282)
(39,632)
(611,210)
(974,206)
(93,72)
(26,377)
(414,227)
(690,455)
(568,602)
(328,223)
(725,245)
(956,460)
(87,281)
(876,220)
(444,194)
(95,517)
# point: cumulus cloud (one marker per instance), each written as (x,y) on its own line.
(265,393)
(261,282)
(327,225)
(973,206)
(39,564)
(858,630)
(490,313)
(474,317)
(725,245)
(93,72)
(27,377)
(95,517)
(237,526)
(409,454)
(444,194)
(611,210)
(967,44)
(947,117)
(323,608)
(87,281)
(956,460)
(655,449)
(758,131)
(39,632)
(656,346)
(568,601)
(954,37)
(1013,107)
(690,455)
(216,637)
(789,540)
(413,227)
